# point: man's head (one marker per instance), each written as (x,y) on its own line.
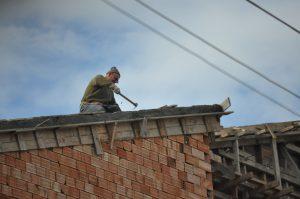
(113,75)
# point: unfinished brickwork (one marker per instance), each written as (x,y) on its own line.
(140,168)
(161,153)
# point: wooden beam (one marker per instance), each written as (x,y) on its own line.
(293,148)
(289,157)
(268,186)
(248,140)
(144,128)
(113,135)
(221,195)
(236,150)
(236,181)
(275,157)
(97,143)
(261,167)
(282,192)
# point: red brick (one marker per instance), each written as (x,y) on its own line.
(74,192)
(89,188)
(127,183)
(45,183)
(191,160)
(52,156)
(193,179)
(131,175)
(79,184)
(10,161)
(153,192)
(54,167)
(204,165)
(64,160)
(136,149)
(20,164)
(145,189)
(40,171)
(60,178)
(121,153)
(70,182)
(171,189)
(45,163)
(30,168)
(163,159)
(93,180)
(113,168)
(67,151)
(121,190)
(112,187)
(203,147)
(147,163)
(51,194)
(81,166)
(90,169)
(102,183)
(21,194)
(6,190)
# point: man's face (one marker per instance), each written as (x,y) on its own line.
(114,77)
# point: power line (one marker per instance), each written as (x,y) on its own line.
(278,19)
(216,48)
(127,14)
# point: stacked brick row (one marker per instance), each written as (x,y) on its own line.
(141,168)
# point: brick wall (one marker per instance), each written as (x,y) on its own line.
(140,168)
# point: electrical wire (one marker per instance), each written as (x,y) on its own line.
(127,14)
(217,48)
(278,19)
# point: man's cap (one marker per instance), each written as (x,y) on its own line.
(114,70)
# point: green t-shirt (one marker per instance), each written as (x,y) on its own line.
(98,91)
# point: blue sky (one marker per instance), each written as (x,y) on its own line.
(49,50)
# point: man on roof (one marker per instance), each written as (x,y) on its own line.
(99,94)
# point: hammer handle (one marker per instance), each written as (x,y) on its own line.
(135,104)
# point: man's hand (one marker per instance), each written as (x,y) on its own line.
(115,88)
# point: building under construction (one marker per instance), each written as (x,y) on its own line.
(170,152)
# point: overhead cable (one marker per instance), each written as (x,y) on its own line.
(186,49)
(278,19)
(247,66)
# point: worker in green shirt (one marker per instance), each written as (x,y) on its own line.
(99,94)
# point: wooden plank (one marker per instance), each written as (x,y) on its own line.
(113,135)
(144,127)
(236,150)
(85,135)
(281,193)
(97,143)
(21,141)
(275,157)
(161,127)
(260,167)
(293,148)
(236,181)
(221,195)
(248,140)
(67,137)
(46,139)
(9,146)
(268,186)
(288,156)
(152,129)
(288,128)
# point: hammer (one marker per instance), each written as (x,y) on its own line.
(133,103)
